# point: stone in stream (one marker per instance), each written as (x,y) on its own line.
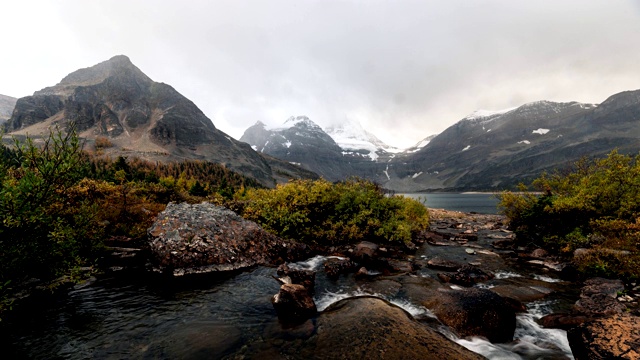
(365,252)
(371,328)
(615,337)
(293,303)
(467,275)
(201,238)
(306,278)
(474,312)
(443,264)
(333,267)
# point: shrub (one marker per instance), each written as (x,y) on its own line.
(324,213)
(44,229)
(594,205)
(102,142)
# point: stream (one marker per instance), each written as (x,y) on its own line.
(141,315)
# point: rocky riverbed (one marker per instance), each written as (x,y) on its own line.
(462,288)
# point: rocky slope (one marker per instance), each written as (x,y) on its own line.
(140,117)
(486,151)
(7,103)
(302,142)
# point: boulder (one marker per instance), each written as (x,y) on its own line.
(598,298)
(371,328)
(467,275)
(444,264)
(539,253)
(293,303)
(616,337)
(333,267)
(201,238)
(365,252)
(562,321)
(474,312)
(306,278)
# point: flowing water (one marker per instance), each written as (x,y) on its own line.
(145,317)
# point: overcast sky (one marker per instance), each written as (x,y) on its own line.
(404,69)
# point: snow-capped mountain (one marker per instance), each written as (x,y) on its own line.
(498,149)
(356,141)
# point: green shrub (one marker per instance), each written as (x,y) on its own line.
(324,213)
(595,205)
(44,230)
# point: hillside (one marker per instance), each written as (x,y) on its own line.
(139,117)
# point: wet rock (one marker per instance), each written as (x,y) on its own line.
(362,273)
(293,303)
(562,321)
(521,293)
(474,312)
(616,337)
(398,266)
(467,275)
(333,267)
(306,278)
(365,252)
(375,329)
(444,264)
(467,236)
(201,238)
(384,287)
(598,298)
(539,253)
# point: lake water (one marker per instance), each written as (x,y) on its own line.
(482,203)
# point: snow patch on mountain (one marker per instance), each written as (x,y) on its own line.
(481,114)
(467,148)
(540,131)
(524,142)
(350,135)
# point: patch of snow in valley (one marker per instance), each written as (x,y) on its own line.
(416,175)
(488,130)
(287,144)
(294,163)
(255,148)
(540,131)
(524,142)
(386,172)
(467,148)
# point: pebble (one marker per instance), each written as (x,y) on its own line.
(470,251)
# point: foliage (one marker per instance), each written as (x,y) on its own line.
(325,213)
(594,205)
(44,229)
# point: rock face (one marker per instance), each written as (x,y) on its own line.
(7,103)
(114,99)
(371,328)
(301,141)
(474,312)
(200,238)
(293,303)
(598,298)
(616,337)
(488,150)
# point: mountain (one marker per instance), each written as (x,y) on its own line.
(7,103)
(354,140)
(302,142)
(496,150)
(140,117)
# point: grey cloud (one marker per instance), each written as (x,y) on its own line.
(405,69)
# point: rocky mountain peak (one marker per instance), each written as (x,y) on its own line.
(119,67)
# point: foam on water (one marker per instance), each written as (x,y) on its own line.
(546,278)
(531,341)
(506,274)
(324,300)
(313,263)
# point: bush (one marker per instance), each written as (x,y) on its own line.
(594,205)
(324,213)
(44,229)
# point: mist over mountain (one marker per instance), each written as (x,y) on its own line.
(140,117)
(7,103)
(486,150)
(497,150)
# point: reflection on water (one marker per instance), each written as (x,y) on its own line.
(482,203)
(149,317)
